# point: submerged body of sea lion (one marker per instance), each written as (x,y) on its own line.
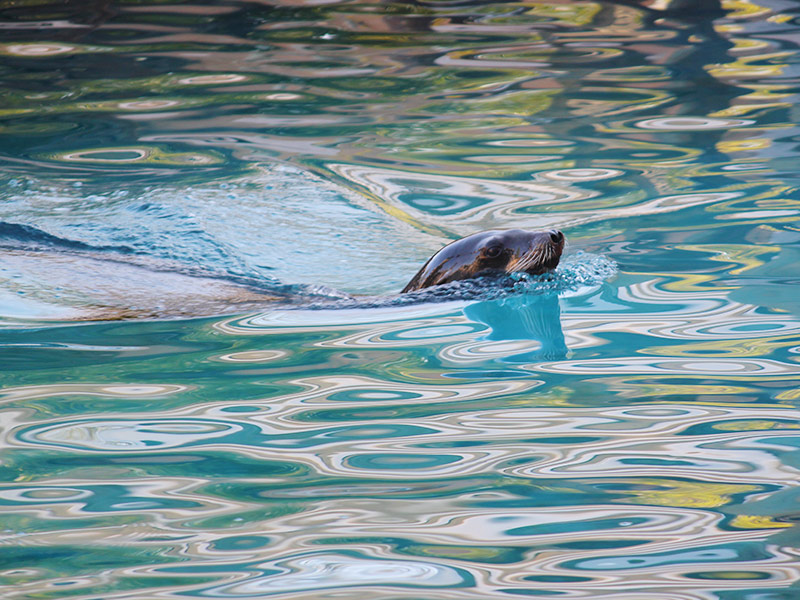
(79,284)
(491,252)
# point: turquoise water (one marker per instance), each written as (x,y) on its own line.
(626,429)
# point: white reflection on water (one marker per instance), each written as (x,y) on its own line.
(253,356)
(497,202)
(289,321)
(131,435)
(157,503)
(581,174)
(504,204)
(41,494)
(127,391)
(621,441)
(325,571)
(636,365)
(688,123)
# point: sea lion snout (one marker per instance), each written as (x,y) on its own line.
(488,252)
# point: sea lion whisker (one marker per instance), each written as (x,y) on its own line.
(533,257)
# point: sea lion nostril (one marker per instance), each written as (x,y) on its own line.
(556,236)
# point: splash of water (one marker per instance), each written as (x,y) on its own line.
(580,270)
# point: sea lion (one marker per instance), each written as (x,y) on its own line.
(70,281)
(491,252)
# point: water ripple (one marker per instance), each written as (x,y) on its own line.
(326,571)
(622,429)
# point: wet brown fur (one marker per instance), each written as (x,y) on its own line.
(487,252)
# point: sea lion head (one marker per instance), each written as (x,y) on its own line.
(491,252)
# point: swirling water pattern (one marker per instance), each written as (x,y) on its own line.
(607,433)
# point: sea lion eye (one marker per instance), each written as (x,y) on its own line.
(493,251)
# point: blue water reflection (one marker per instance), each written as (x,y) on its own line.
(523,318)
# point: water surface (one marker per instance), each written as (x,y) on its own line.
(620,434)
